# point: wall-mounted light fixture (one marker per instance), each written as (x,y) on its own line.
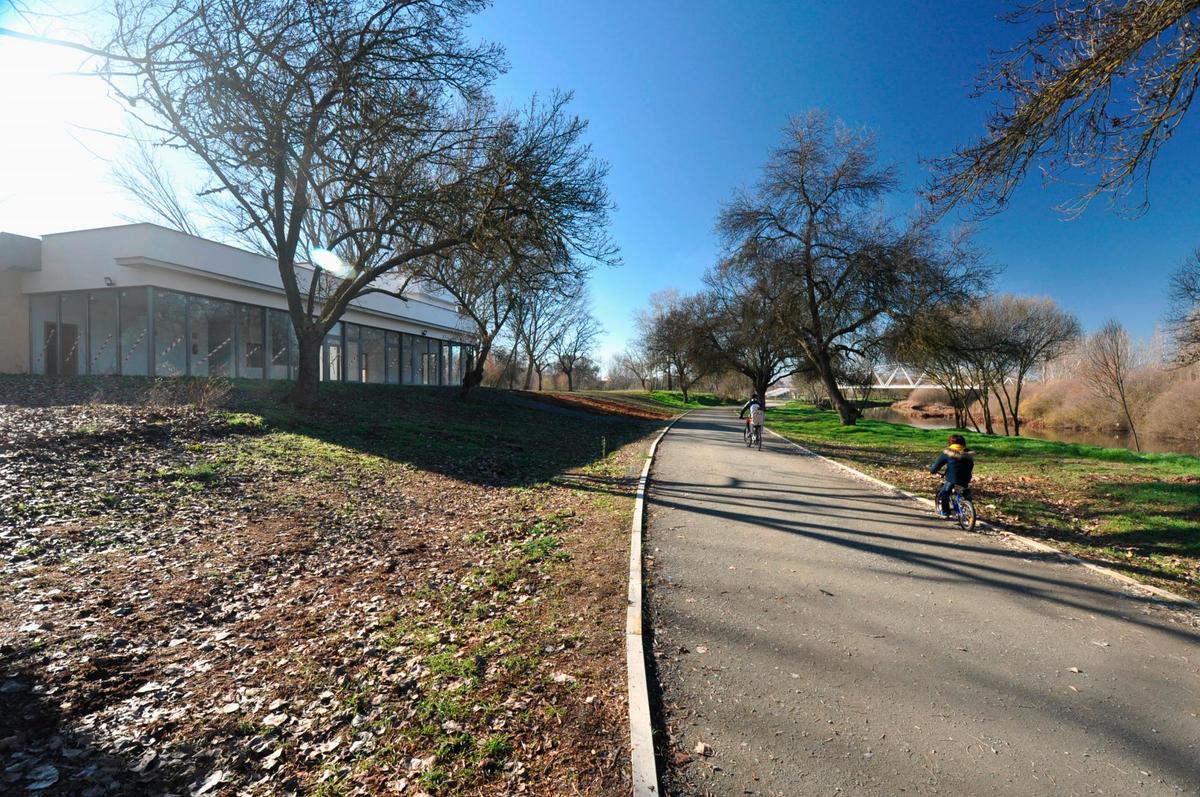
(109,281)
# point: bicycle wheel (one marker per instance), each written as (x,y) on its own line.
(748,436)
(758,437)
(966,514)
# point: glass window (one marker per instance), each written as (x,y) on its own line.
(353,364)
(43,321)
(283,349)
(468,360)
(455,367)
(373,369)
(135,332)
(250,342)
(102,332)
(429,361)
(443,363)
(393,357)
(408,368)
(72,334)
(170,334)
(212,323)
(331,354)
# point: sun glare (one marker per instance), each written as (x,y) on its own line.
(56,141)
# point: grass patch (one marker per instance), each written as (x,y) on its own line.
(1138,511)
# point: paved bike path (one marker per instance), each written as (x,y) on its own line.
(824,637)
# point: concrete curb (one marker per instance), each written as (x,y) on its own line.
(641,729)
(1034,545)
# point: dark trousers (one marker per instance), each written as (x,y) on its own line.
(943,496)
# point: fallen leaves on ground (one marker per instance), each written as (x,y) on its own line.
(195,602)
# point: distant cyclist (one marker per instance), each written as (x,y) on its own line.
(754,422)
(959,463)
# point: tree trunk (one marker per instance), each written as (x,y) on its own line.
(474,377)
(1129,419)
(1016,409)
(529,374)
(570,383)
(970,415)
(1003,411)
(308,376)
(760,387)
(845,410)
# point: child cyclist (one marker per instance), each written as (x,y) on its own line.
(959,463)
(755,421)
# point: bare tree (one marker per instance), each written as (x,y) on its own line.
(671,335)
(1035,332)
(860,371)
(364,133)
(551,230)
(637,362)
(1184,314)
(932,341)
(141,174)
(817,213)
(1110,363)
(339,131)
(540,319)
(577,339)
(742,325)
(1097,87)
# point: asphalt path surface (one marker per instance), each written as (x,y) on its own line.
(822,636)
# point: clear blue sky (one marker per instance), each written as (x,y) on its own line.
(687,98)
(685,101)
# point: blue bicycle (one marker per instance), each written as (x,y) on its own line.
(961,507)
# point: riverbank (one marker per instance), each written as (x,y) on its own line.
(1138,513)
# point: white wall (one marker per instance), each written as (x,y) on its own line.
(146,254)
(14,325)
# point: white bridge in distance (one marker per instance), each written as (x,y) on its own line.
(898,377)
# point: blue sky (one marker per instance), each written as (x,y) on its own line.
(685,100)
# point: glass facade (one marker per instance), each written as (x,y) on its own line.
(211,326)
(251,345)
(373,363)
(354,370)
(135,332)
(72,334)
(155,332)
(43,335)
(170,334)
(392,357)
(102,332)
(281,336)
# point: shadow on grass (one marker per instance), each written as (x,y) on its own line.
(48,753)
(1153,518)
(1156,522)
(488,439)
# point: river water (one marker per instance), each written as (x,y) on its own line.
(1160,445)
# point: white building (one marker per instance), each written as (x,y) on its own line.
(144,300)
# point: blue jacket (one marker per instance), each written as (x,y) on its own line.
(958,465)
